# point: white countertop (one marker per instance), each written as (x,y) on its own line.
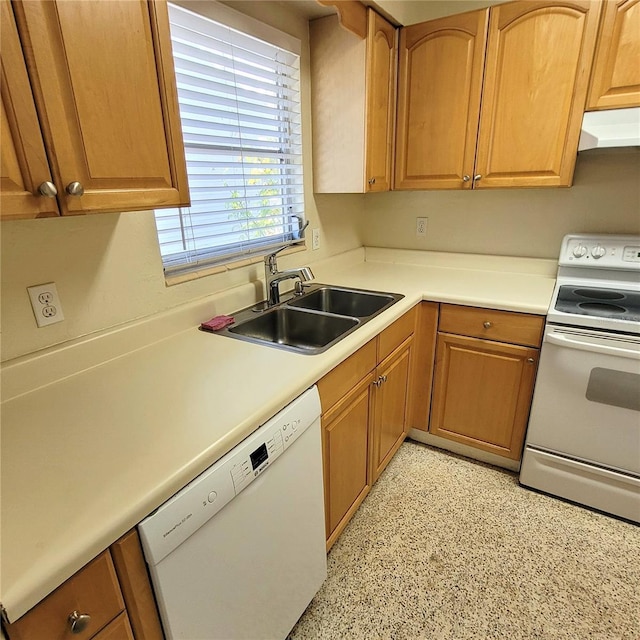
(90,450)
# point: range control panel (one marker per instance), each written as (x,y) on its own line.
(601,251)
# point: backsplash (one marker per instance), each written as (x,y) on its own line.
(605,198)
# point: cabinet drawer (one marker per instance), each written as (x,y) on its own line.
(338,382)
(119,629)
(93,590)
(395,334)
(501,326)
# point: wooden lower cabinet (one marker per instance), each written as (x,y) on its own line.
(482,393)
(113,590)
(133,578)
(390,407)
(346,459)
(364,419)
(484,380)
(424,353)
(119,629)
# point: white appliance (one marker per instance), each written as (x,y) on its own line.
(583,440)
(240,551)
(610,128)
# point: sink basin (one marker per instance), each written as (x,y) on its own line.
(312,322)
(345,302)
(296,329)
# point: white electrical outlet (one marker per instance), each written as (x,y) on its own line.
(421,227)
(315,239)
(46,304)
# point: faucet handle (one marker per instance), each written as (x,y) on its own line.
(276,252)
(270,259)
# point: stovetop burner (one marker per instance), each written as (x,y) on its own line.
(601,303)
(598,284)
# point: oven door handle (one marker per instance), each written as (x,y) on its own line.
(563,340)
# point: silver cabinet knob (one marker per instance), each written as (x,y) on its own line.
(372,180)
(487,325)
(75,189)
(530,360)
(466,178)
(48,190)
(477,177)
(380,380)
(78,622)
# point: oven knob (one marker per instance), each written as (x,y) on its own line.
(579,251)
(598,251)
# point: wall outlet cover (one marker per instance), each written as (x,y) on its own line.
(315,239)
(45,304)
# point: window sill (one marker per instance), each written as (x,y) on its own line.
(171,280)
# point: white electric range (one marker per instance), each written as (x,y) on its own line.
(583,440)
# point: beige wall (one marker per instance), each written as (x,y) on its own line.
(107,267)
(605,198)
(108,270)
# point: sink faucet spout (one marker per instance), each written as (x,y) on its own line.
(273,277)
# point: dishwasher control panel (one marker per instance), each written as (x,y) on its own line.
(249,465)
(174,521)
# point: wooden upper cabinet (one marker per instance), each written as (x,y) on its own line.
(381,101)
(439,92)
(24,160)
(353,98)
(615,81)
(494,98)
(538,61)
(104,86)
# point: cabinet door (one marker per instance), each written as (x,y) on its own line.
(439,101)
(482,393)
(130,566)
(346,469)
(390,407)
(24,161)
(103,79)
(421,380)
(381,98)
(539,57)
(615,81)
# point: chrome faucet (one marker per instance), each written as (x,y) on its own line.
(273,277)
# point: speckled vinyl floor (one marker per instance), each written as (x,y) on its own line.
(445,547)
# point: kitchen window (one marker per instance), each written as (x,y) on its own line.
(239,96)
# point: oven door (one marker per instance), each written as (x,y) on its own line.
(586,404)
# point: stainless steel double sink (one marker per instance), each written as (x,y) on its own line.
(312,322)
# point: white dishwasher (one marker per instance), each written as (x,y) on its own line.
(240,551)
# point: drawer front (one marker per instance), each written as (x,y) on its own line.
(119,629)
(489,324)
(338,382)
(395,334)
(93,590)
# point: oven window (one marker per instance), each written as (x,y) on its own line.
(615,388)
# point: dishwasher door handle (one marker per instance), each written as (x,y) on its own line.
(564,340)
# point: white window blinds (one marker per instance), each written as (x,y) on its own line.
(239,100)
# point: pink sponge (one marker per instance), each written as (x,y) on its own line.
(217,322)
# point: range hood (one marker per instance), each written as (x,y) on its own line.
(611,128)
